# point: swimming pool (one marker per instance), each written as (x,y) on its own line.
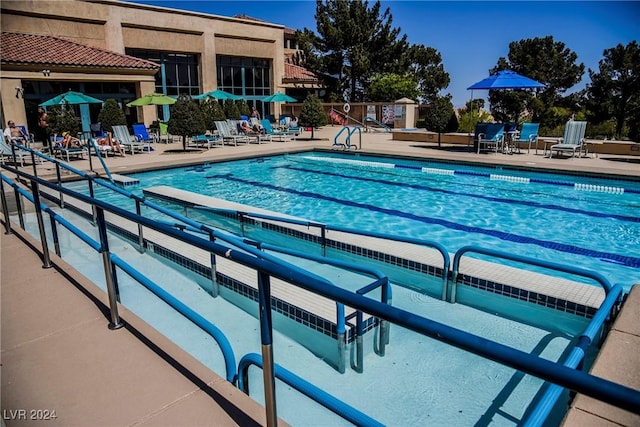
(434,372)
(586,221)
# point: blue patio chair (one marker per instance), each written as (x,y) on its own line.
(489,134)
(528,135)
(141,134)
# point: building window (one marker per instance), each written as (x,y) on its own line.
(247,77)
(179,72)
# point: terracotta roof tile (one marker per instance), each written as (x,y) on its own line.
(18,48)
(296,72)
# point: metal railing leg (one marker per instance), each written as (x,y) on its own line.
(5,209)
(266,335)
(46,260)
(141,248)
(115,323)
(215,289)
(16,195)
(54,234)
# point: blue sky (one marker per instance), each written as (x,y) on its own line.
(470,35)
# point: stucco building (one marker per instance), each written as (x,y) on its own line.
(114,49)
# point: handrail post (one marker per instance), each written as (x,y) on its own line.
(46,260)
(242,217)
(93,196)
(141,248)
(18,198)
(266,335)
(323,236)
(341,336)
(56,238)
(59,182)
(5,208)
(115,323)
(33,162)
(384,324)
(359,343)
(215,289)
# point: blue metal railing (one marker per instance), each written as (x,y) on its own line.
(577,354)
(335,139)
(336,406)
(564,376)
(179,306)
(324,228)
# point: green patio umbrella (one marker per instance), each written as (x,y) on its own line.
(279,97)
(218,94)
(71,97)
(152,99)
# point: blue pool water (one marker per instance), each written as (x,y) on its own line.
(589,222)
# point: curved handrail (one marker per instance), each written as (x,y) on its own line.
(325,399)
(186,311)
(335,139)
(546,403)
(325,227)
(351,132)
(210,328)
(525,260)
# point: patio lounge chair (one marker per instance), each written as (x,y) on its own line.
(164,136)
(528,134)
(128,143)
(573,140)
(224,130)
(140,133)
(489,134)
(67,153)
(7,153)
(281,135)
(204,140)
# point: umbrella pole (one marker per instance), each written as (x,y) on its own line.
(470,119)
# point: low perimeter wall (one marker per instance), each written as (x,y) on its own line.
(595,146)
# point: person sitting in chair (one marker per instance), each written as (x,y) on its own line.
(108,141)
(14,134)
(69,141)
(245,128)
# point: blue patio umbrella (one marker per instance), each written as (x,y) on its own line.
(75,98)
(71,97)
(218,94)
(278,97)
(506,79)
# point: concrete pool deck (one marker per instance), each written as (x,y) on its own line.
(57,353)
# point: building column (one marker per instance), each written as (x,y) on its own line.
(11,103)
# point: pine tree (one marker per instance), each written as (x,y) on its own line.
(243,107)
(186,119)
(231,110)
(312,113)
(438,115)
(211,111)
(62,118)
(111,115)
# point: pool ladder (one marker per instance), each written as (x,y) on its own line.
(347,145)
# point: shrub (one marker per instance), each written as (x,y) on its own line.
(186,119)
(111,115)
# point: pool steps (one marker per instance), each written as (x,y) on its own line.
(549,291)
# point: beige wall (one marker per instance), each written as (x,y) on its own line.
(115,26)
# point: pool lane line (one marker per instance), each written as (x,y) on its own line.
(562,247)
(589,187)
(421,187)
